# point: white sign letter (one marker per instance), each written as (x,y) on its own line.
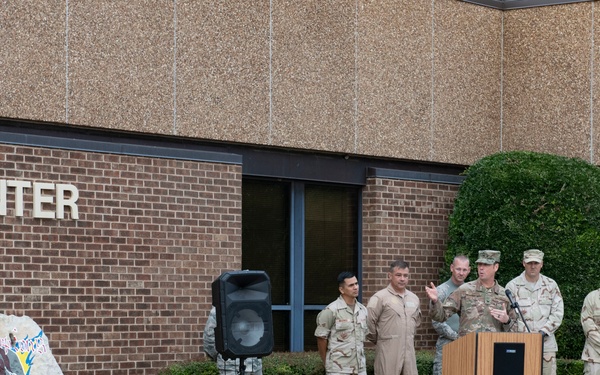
(39,199)
(19,187)
(3,198)
(61,201)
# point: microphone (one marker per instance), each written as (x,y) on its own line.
(513,303)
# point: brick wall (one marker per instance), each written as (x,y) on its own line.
(406,220)
(126,288)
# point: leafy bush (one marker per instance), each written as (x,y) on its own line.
(192,368)
(301,363)
(309,363)
(513,201)
(569,367)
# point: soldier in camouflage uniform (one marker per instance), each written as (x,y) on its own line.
(481,304)
(541,304)
(341,330)
(590,321)
(448,330)
(230,366)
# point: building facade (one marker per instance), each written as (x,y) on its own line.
(149,146)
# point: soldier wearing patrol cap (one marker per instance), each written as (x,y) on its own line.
(541,304)
(481,304)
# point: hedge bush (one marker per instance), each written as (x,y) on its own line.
(301,363)
(309,363)
(513,201)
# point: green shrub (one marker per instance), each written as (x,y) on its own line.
(425,362)
(301,363)
(513,201)
(192,368)
(309,363)
(569,367)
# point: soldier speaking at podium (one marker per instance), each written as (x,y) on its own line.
(482,305)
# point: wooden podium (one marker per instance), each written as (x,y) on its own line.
(494,353)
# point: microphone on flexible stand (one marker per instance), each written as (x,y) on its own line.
(515,305)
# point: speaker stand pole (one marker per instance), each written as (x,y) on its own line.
(242,366)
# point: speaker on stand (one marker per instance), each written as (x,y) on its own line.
(242,301)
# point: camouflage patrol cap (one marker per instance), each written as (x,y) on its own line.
(488,257)
(533,255)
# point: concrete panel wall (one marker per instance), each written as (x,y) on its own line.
(32,60)
(595,91)
(394,58)
(466,83)
(313,74)
(120,65)
(548,80)
(222,70)
(442,81)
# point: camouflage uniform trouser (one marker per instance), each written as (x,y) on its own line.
(549,364)
(437,361)
(590,368)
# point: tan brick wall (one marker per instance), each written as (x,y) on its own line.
(126,288)
(406,220)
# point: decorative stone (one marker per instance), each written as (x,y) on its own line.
(24,348)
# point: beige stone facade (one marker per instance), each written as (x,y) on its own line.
(442,81)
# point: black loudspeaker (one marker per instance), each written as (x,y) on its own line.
(509,358)
(244,317)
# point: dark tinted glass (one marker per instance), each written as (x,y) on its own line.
(310,324)
(281,331)
(331,240)
(266,233)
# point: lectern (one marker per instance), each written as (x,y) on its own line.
(494,353)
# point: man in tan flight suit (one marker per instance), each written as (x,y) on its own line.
(393,318)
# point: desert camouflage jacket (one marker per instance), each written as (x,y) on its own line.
(541,305)
(590,321)
(345,331)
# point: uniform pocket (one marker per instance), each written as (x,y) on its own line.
(343,325)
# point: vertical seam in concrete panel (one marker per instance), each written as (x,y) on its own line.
(66,61)
(270,137)
(502,81)
(356,76)
(592,89)
(174,67)
(432,123)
